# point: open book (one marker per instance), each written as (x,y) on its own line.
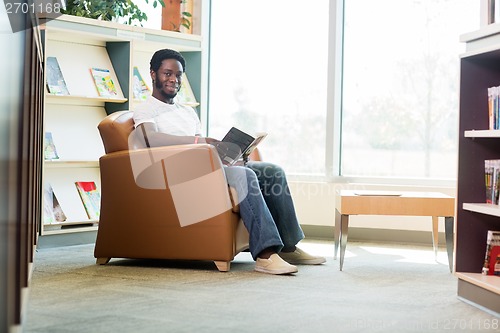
(237,144)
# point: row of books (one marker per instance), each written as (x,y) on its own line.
(494,108)
(492,258)
(89,194)
(105,86)
(492,180)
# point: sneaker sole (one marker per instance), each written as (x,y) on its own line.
(276,272)
(316,261)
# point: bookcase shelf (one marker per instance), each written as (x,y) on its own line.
(482,134)
(488,282)
(483,208)
(80,227)
(71,164)
(80,44)
(479,70)
(81,100)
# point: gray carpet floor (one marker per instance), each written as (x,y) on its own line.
(382,288)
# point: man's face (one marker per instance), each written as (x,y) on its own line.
(168,78)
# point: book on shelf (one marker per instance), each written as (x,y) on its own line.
(495,261)
(55,80)
(185,94)
(139,87)
(49,147)
(91,198)
(492,180)
(492,253)
(103,82)
(494,108)
(52,210)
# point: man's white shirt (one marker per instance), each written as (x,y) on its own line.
(173,119)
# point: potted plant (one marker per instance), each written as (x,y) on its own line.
(108,10)
(176,15)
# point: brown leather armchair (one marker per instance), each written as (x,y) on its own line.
(142,217)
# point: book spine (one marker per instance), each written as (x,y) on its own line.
(497,108)
(490,107)
(488,180)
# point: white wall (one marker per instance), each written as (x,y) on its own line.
(315,205)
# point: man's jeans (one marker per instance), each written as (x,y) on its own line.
(266,206)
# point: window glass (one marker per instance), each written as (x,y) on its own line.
(268,73)
(401,86)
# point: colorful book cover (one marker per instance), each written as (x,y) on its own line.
(49,148)
(55,80)
(91,198)
(185,95)
(492,181)
(51,208)
(494,268)
(140,88)
(490,258)
(103,82)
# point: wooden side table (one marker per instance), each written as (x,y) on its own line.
(434,204)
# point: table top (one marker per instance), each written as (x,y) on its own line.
(368,202)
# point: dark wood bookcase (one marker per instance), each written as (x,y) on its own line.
(479,70)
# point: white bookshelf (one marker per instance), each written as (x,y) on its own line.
(80,44)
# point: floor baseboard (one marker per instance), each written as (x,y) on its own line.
(375,235)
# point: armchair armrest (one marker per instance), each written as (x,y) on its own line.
(173,164)
(193,174)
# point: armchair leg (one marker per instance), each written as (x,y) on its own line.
(223,266)
(102,261)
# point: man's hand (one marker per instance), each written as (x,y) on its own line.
(211,141)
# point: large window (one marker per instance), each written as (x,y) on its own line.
(269,72)
(268,63)
(400,86)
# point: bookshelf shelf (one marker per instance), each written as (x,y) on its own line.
(72,223)
(482,134)
(78,45)
(483,208)
(71,164)
(488,282)
(79,227)
(73,99)
(479,70)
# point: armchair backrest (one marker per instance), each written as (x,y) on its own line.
(115,130)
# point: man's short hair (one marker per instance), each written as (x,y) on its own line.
(163,54)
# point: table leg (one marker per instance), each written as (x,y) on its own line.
(336,233)
(343,237)
(448,228)
(435,235)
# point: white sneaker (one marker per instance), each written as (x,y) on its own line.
(300,257)
(274,265)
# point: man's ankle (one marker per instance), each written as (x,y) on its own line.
(266,253)
(289,249)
